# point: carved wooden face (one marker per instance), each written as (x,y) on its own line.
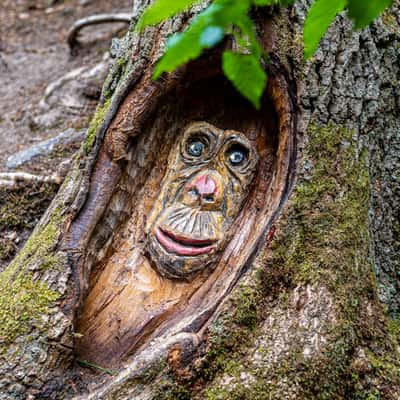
(206,183)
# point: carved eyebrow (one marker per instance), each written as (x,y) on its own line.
(200,132)
(235,139)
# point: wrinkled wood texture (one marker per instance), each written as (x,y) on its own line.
(129,300)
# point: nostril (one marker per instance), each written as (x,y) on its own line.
(193,191)
(208,198)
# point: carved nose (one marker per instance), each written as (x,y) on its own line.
(205,190)
(205,186)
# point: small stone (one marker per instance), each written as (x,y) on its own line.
(12,236)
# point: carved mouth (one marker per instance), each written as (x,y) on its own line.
(183,246)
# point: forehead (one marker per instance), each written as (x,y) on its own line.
(213,134)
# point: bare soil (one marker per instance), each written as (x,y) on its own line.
(34,53)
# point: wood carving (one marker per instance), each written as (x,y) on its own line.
(155,257)
(207,181)
(179,200)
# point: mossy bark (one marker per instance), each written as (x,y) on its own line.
(314,317)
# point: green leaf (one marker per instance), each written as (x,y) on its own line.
(264,2)
(161,10)
(181,48)
(188,45)
(246,74)
(363,12)
(211,36)
(246,37)
(321,15)
(224,12)
(272,2)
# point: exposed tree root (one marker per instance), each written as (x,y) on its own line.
(10,180)
(53,86)
(94,20)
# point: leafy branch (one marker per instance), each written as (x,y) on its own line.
(231,17)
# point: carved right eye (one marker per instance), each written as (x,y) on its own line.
(195,148)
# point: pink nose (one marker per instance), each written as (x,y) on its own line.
(205,185)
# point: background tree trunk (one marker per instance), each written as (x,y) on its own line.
(314,315)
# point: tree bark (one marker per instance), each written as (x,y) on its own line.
(305,304)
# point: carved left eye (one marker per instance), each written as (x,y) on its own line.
(237,155)
(195,148)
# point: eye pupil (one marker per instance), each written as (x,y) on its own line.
(196,148)
(236,157)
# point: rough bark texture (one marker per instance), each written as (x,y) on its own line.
(309,319)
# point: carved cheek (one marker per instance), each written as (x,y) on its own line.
(233,199)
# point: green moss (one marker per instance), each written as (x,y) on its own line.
(167,389)
(374,395)
(97,121)
(389,20)
(23,303)
(40,244)
(382,365)
(289,45)
(394,328)
(256,391)
(327,232)
(21,207)
(20,210)
(246,304)
(119,70)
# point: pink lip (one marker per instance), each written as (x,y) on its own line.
(183,246)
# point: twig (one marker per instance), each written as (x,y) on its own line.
(14,179)
(94,20)
(85,363)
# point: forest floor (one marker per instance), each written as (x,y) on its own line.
(33,55)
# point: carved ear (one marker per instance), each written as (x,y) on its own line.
(122,193)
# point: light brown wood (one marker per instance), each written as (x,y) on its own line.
(129,302)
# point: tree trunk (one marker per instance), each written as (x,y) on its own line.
(300,299)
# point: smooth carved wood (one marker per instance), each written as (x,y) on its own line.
(207,181)
(160,264)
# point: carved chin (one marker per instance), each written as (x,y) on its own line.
(176,256)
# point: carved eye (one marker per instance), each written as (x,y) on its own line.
(195,148)
(237,155)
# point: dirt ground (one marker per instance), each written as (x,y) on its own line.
(33,54)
